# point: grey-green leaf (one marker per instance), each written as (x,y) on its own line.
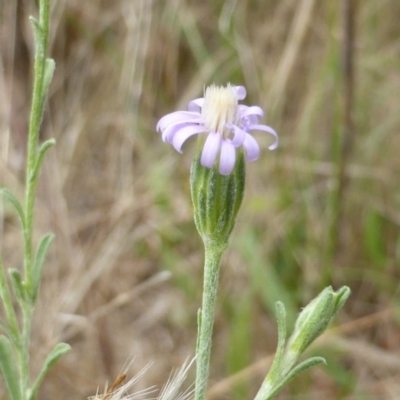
(38,263)
(58,351)
(17,285)
(41,153)
(310,362)
(49,68)
(9,369)
(6,193)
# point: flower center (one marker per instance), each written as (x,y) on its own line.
(220,107)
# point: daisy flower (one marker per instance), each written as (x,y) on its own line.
(226,123)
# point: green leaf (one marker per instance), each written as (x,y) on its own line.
(310,362)
(18,285)
(282,334)
(39,161)
(9,368)
(38,263)
(59,350)
(342,295)
(49,68)
(6,193)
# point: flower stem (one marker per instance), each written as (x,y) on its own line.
(41,28)
(213,254)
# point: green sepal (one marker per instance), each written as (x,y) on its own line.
(38,263)
(58,351)
(9,368)
(18,286)
(6,193)
(216,199)
(342,295)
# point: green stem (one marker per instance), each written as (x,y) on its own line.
(41,36)
(213,256)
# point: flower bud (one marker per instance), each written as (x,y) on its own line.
(216,199)
(315,317)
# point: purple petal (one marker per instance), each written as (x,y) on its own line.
(228,158)
(253,110)
(241,92)
(183,134)
(210,149)
(239,134)
(267,129)
(176,117)
(170,131)
(196,105)
(251,148)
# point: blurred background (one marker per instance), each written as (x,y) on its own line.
(123,279)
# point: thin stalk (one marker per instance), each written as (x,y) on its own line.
(213,256)
(41,28)
(41,39)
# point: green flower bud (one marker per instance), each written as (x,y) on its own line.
(315,317)
(216,199)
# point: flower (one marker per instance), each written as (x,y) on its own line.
(226,122)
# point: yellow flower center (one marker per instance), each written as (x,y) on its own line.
(220,107)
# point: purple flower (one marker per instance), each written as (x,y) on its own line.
(226,122)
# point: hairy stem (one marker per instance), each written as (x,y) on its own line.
(213,256)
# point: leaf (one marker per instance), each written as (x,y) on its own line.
(38,263)
(9,368)
(310,362)
(59,350)
(282,333)
(49,68)
(39,161)
(18,285)
(6,193)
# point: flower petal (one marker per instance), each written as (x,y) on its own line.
(251,148)
(228,158)
(267,129)
(183,134)
(253,110)
(210,149)
(196,105)
(241,92)
(239,134)
(176,117)
(170,131)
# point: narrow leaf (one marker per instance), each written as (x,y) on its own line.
(6,193)
(49,68)
(39,161)
(59,350)
(310,362)
(9,368)
(17,285)
(282,334)
(38,263)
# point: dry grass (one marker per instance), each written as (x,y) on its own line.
(123,278)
